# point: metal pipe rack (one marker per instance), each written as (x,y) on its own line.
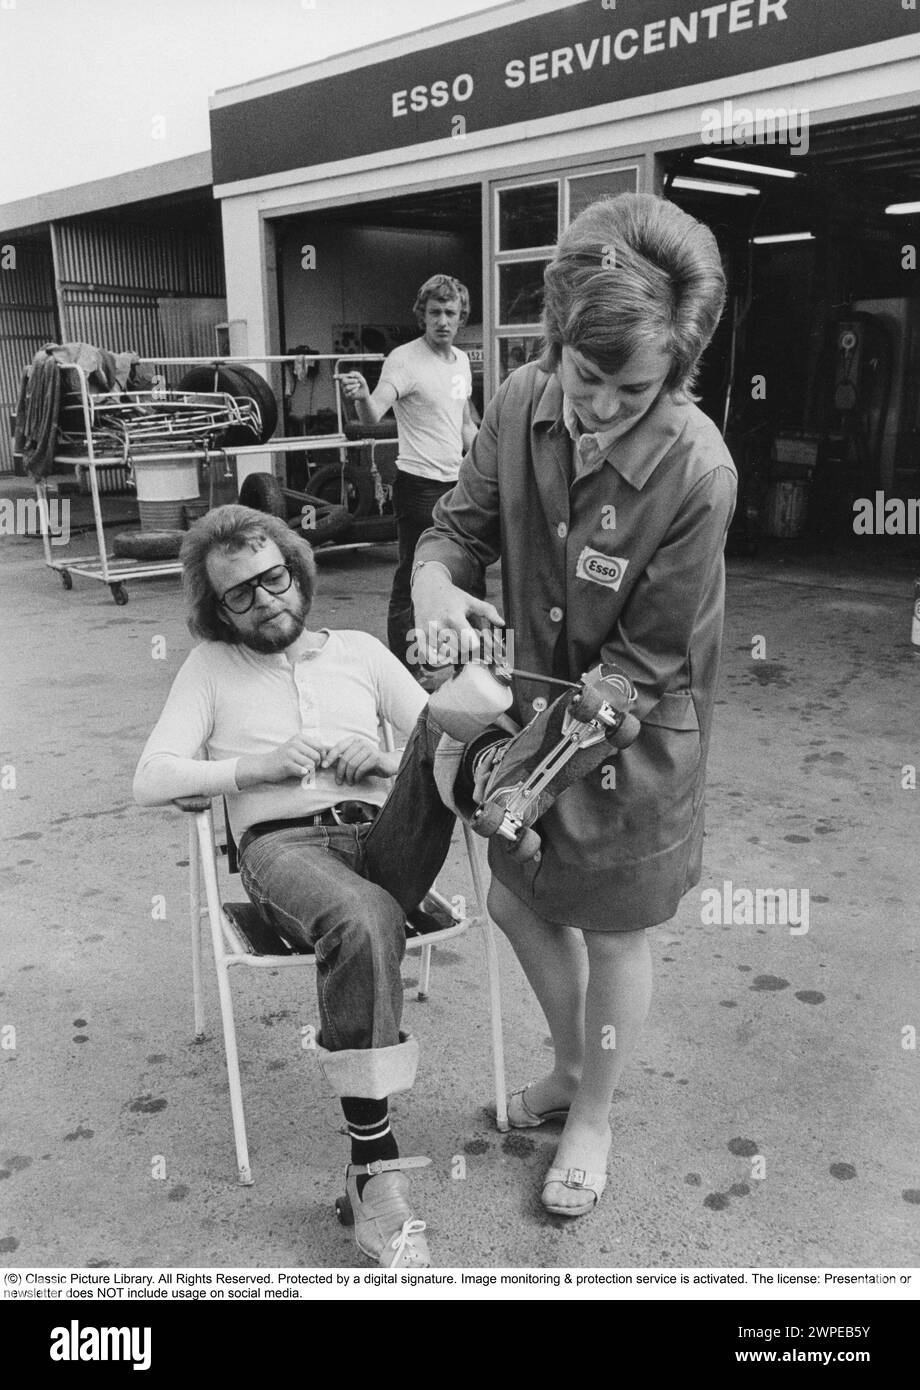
(114,571)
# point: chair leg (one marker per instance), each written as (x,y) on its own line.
(194,873)
(424,974)
(204,826)
(492,969)
(233,1075)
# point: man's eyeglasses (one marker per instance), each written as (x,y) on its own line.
(241,597)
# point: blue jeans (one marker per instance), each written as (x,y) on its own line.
(345,890)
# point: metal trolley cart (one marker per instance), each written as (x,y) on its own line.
(175,430)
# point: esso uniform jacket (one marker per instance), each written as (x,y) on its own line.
(622,565)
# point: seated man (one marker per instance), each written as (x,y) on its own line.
(288,720)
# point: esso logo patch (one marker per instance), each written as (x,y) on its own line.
(600,568)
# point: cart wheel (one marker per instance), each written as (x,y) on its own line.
(586,704)
(527,847)
(488,818)
(345,483)
(264,493)
(66,579)
(119,594)
(343,1212)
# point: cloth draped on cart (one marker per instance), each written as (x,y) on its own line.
(39,407)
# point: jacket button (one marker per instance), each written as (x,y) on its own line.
(555,615)
(539,704)
(562,530)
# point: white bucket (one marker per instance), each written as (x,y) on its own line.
(167,480)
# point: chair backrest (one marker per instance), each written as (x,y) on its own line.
(233,858)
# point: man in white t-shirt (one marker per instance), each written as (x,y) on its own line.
(283,722)
(427,383)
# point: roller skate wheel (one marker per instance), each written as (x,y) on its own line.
(587,704)
(625,733)
(343,1212)
(527,847)
(488,819)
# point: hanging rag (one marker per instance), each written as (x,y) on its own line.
(40,395)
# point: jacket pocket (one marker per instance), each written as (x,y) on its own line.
(675,710)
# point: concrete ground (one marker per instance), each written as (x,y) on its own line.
(772,1118)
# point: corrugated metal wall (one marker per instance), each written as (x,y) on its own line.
(178,260)
(151,289)
(28,318)
(156,290)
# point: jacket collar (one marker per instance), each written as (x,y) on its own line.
(635,455)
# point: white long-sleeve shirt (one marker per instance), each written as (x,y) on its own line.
(228,701)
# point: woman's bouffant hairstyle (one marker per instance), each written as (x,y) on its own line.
(441,287)
(627,272)
(230,529)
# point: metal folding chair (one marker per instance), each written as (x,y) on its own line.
(240,936)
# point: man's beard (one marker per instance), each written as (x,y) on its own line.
(272,638)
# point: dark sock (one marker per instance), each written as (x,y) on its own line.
(369,1131)
(473,754)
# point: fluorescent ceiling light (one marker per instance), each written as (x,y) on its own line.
(900,209)
(747,168)
(783,236)
(734,190)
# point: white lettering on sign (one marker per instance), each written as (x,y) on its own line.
(657,36)
(600,568)
(420,97)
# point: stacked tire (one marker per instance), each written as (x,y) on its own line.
(318,519)
(242,383)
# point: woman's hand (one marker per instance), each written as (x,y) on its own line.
(355,758)
(445,613)
(299,758)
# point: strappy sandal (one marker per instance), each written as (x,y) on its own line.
(577,1180)
(385,1225)
(520,1116)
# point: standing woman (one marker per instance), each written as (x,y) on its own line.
(607,493)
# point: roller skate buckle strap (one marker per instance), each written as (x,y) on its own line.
(389,1165)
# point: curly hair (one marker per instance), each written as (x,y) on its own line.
(627,272)
(232,528)
(442,287)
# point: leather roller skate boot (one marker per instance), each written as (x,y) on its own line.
(559,746)
(386,1228)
